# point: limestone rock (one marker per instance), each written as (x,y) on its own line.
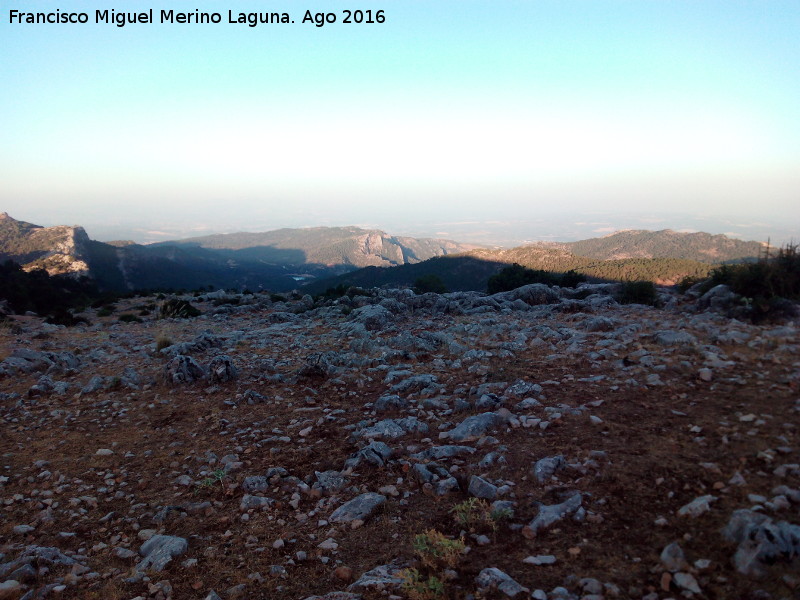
(361,508)
(493,578)
(159,550)
(183,369)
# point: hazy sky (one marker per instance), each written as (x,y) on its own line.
(452,111)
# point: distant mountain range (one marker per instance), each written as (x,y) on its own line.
(277,260)
(665,257)
(320,257)
(699,246)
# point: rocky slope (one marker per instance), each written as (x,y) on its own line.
(539,443)
(666,243)
(330,246)
(60,250)
(275,260)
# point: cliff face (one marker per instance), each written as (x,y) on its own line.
(59,250)
(328,246)
(69,252)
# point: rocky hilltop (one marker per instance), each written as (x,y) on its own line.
(60,250)
(329,246)
(277,260)
(541,443)
(638,243)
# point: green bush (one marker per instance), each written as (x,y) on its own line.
(178,309)
(687,282)
(333,293)
(515,276)
(430,283)
(129,318)
(419,587)
(61,316)
(571,279)
(770,286)
(638,292)
(223,301)
(163,341)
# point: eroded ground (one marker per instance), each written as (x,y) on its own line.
(643,411)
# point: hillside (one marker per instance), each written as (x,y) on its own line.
(537,443)
(328,246)
(665,257)
(472,271)
(458,273)
(59,250)
(284,259)
(275,260)
(699,246)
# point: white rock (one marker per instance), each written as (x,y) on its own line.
(697,507)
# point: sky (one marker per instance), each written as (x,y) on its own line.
(498,120)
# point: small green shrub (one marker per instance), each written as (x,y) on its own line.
(129,318)
(435,550)
(162,341)
(222,301)
(354,291)
(218,476)
(61,316)
(515,276)
(769,286)
(476,514)
(332,293)
(178,309)
(472,513)
(430,283)
(638,292)
(684,284)
(105,311)
(419,587)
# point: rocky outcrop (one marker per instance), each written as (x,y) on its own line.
(60,250)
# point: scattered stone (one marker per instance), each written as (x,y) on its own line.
(549,514)
(543,559)
(480,488)
(686,581)
(183,369)
(493,578)
(673,559)
(381,578)
(472,428)
(221,369)
(546,468)
(361,508)
(697,507)
(159,550)
(761,541)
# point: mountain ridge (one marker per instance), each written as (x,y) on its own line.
(284,259)
(277,259)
